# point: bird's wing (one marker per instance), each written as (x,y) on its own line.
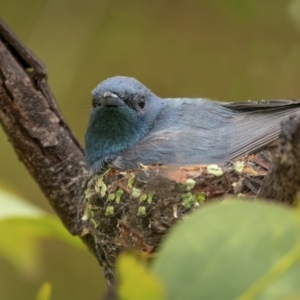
(258,124)
(186,132)
(175,146)
(261,105)
(206,132)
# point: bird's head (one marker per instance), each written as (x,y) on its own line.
(119,91)
(124,111)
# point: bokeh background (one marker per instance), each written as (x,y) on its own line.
(227,50)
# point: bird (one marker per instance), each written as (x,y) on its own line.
(130,126)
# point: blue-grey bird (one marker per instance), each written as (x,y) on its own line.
(129,125)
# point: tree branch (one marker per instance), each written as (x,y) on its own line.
(283,179)
(40,136)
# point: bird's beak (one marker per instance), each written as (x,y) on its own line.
(110,99)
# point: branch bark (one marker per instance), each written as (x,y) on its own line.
(39,134)
(283,179)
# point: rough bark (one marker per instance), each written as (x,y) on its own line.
(283,180)
(39,134)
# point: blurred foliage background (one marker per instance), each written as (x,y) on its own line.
(226,50)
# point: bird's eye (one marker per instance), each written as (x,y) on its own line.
(141,103)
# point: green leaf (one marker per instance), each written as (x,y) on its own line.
(20,236)
(136,282)
(44,292)
(233,250)
(12,206)
(22,225)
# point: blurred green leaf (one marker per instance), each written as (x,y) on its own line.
(136,282)
(22,225)
(233,250)
(12,206)
(44,292)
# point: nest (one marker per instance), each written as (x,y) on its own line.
(136,208)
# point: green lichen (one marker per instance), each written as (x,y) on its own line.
(95,224)
(239,166)
(88,212)
(190,184)
(143,197)
(136,193)
(215,170)
(103,189)
(131,181)
(141,211)
(200,197)
(119,194)
(111,196)
(88,193)
(188,200)
(109,211)
(98,183)
(150,196)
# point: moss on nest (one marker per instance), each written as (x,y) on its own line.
(135,209)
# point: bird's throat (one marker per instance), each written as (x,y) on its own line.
(112,131)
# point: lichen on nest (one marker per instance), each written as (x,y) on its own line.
(136,208)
